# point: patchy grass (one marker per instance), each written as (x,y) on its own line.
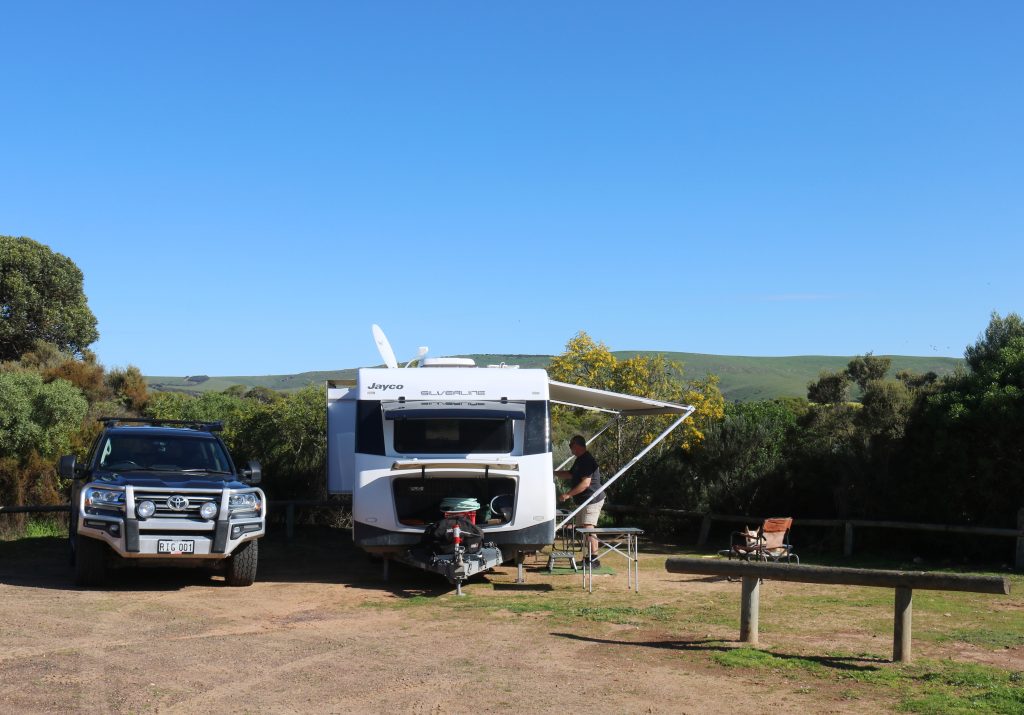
(994,638)
(561,606)
(930,687)
(797,617)
(763,660)
(39,528)
(626,615)
(35,528)
(949,687)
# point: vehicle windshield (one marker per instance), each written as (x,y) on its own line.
(163,453)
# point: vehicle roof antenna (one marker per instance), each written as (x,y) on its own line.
(384,347)
(420,352)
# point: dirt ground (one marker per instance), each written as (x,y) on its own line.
(320,632)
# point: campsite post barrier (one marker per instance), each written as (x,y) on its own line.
(901,624)
(750,609)
(904,582)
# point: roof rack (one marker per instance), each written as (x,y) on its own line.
(217,426)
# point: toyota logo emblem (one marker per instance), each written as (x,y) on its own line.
(177,502)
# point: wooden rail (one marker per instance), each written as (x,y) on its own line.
(848,526)
(904,583)
(705,528)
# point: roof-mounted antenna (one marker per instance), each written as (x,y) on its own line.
(420,352)
(384,347)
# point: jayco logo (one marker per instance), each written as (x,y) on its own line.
(375,386)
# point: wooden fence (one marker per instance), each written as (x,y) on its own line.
(848,525)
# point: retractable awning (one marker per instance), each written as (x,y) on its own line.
(617,402)
(620,405)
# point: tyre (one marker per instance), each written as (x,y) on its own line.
(71,538)
(241,567)
(90,566)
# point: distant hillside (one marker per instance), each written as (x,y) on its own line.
(742,378)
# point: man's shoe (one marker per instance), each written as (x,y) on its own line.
(594,563)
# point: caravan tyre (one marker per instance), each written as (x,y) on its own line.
(241,567)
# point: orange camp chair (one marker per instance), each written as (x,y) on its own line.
(769,543)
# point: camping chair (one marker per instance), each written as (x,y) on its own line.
(769,543)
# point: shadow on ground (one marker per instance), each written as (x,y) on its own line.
(314,555)
(843,663)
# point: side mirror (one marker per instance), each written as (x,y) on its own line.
(253,474)
(67,466)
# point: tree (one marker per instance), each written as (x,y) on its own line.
(41,298)
(590,364)
(35,415)
(867,368)
(584,362)
(999,333)
(965,434)
(37,423)
(129,387)
(738,465)
(831,388)
(287,434)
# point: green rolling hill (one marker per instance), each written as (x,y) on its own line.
(742,378)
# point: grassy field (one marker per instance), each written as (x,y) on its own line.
(742,378)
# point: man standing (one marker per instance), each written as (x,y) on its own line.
(585,479)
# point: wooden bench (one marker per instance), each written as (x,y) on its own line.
(904,582)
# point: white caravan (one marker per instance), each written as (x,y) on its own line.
(403,442)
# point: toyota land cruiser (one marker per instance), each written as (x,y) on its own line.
(163,493)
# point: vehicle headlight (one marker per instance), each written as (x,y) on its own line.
(244,502)
(104,498)
(208,510)
(145,509)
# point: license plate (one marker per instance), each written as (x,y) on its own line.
(166,546)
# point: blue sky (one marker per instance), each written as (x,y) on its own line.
(248,186)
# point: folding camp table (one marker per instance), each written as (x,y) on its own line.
(609,539)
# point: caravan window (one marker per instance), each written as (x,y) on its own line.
(443,435)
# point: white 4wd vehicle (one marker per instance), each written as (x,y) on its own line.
(163,493)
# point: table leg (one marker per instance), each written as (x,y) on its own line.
(629,561)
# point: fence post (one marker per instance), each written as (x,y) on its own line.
(1020,541)
(705,529)
(901,627)
(848,539)
(750,609)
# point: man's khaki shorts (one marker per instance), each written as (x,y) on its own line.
(589,514)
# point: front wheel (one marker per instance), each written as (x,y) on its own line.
(90,562)
(241,567)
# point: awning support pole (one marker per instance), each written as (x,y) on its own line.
(596,435)
(629,465)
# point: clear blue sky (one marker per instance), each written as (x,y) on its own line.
(247,186)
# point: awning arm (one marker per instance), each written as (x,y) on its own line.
(586,407)
(629,465)
(596,435)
